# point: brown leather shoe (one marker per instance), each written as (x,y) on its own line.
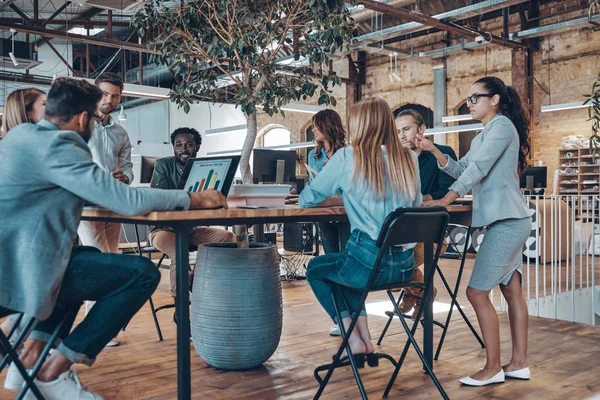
(408,302)
(418,302)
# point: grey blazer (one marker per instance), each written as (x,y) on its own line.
(46,176)
(490,170)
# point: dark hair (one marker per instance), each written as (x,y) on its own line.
(187,131)
(68,97)
(110,77)
(510,106)
(329,123)
(413,113)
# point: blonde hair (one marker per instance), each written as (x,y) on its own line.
(371,125)
(18,104)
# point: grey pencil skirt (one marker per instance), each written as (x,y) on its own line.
(500,253)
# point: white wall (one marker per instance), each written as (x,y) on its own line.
(204,116)
(150,126)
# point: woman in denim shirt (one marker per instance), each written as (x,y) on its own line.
(330,136)
(376,175)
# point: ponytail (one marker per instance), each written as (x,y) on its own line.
(511,107)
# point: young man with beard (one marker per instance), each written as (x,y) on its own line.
(434,186)
(167,173)
(111,150)
(41,273)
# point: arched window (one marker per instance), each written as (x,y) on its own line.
(277,137)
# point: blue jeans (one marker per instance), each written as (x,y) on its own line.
(352,269)
(120,285)
(334,236)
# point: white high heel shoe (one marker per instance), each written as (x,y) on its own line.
(498,378)
(523,374)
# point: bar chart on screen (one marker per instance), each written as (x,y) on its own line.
(207,175)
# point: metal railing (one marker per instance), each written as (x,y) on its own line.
(560,257)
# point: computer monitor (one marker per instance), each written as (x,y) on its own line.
(534,178)
(264,165)
(147,168)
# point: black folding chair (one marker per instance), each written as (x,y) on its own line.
(402,226)
(149,250)
(453,295)
(10,354)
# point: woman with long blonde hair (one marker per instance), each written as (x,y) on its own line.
(23,105)
(376,175)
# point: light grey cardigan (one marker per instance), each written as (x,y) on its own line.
(489,169)
(46,175)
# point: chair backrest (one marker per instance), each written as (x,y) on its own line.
(410,225)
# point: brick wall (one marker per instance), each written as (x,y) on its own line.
(565,66)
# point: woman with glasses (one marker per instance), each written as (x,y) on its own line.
(491,169)
(23,105)
(376,176)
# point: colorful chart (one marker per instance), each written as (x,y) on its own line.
(207,174)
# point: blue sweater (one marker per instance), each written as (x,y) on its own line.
(365,211)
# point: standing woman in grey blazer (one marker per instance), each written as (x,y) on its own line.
(491,170)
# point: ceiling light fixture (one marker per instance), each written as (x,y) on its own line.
(453,129)
(122,116)
(11,54)
(457,118)
(564,106)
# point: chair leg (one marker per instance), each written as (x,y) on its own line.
(22,336)
(411,340)
(49,344)
(336,359)
(11,355)
(158,331)
(454,302)
(389,321)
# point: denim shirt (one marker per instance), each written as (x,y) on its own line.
(365,211)
(111,148)
(320,162)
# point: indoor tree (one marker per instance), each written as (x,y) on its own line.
(254,53)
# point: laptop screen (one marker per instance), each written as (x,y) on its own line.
(209,173)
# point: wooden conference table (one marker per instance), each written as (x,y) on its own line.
(182,221)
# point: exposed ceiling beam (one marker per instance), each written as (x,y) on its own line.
(433,22)
(58,11)
(49,33)
(71,22)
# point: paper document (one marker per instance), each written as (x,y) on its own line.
(312,173)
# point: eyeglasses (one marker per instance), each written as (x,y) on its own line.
(100,118)
(475,96)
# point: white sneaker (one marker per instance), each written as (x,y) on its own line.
(113,343)
(67,386)
(13,380)
(335,330)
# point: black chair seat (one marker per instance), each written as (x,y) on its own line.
(404,225)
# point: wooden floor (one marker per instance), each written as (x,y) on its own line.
(564,357)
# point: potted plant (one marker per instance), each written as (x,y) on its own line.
(593,100)
(254,53)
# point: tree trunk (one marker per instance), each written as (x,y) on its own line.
(247,148)
(241,231)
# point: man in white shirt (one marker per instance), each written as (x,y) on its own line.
(111,150)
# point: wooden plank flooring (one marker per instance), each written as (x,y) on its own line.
(565,359)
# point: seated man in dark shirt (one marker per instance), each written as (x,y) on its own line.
(167,173)
(434,185)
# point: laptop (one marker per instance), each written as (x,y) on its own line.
(209,173)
